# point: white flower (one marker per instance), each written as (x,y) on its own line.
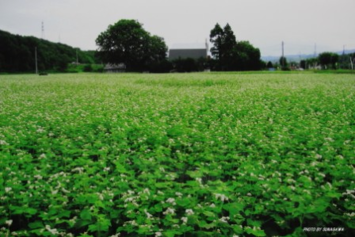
(171,200)
(8,189)
(199,180)
(116,235)
(189,212)
(146,191)
(222,197)
(106,169)
(178,194)
(212,205)
(149,216)
(130,199)
(80,169)
(38,176)
(184,219)
(8,222)
(169,211)
(157,234)
(52,231)
(2,142)
(224,219)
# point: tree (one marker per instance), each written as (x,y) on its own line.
(283,62)
(248,56)
(216,37)
(328,59)
(303,64)
(269,65)
(230,55)
(127,42)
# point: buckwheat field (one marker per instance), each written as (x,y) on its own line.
(201,154)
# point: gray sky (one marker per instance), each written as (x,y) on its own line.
(264,23)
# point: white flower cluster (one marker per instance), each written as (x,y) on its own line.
(171,201)
(2,142)
(149,216)
(224,219)
(52,231)
(189,212)
(8,222)
(221,197)
(169,211)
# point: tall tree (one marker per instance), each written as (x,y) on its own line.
(230,55)
(127,42)
(216,38)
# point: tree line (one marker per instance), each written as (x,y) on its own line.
(325,60)
(128,42)
(17,54)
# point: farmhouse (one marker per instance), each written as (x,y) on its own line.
(195,53)
(110,68)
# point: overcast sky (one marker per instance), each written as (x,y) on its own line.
(301,24)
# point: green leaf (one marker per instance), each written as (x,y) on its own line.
(208,213)
(254,231)
(30,211)
(82,223)
(85,214)
(120,168)
(35,225)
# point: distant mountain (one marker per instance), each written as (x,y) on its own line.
(297,58)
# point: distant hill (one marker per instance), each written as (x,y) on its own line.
(297,58)
(17,54)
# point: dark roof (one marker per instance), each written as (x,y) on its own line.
(187,53)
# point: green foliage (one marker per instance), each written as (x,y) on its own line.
(328,60)
(230,55)
(203,154)
(17,54)
(269,65)
(127,42)
(190,64)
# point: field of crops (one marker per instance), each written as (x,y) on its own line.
(202,154)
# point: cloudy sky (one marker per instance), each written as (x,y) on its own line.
(301,24)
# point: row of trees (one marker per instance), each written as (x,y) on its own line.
(17,54)
(128,42)
(326,60)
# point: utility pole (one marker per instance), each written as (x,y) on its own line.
(315,55)
(283,49)
(283,56)
(42,30)
(36,64)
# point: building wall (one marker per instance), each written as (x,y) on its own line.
(187,53)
